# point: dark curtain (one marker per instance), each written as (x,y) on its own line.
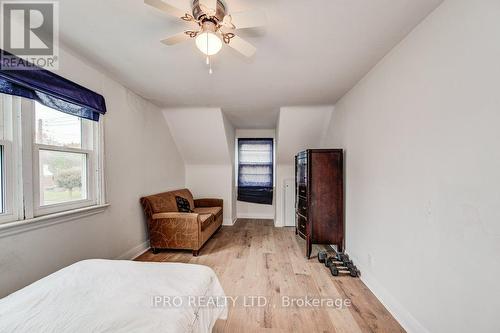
(20,78)
(255,171)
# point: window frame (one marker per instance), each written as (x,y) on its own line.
(91,166)
(6,183)
(12,178)
(39,209)
(22,171)
(272,164)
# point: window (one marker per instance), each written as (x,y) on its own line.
(255,170)
(8,109)
(2,180)
(49,160)
(63,155)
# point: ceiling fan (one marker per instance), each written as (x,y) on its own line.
(212,26)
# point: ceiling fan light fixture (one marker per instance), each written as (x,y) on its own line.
(208,43)
(215,26)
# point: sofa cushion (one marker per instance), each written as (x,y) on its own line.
(205,220)
(183,205)
(215,211)
(165,202)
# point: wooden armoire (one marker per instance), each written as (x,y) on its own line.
(319,197)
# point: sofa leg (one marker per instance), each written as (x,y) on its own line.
(195,253)
(154,250)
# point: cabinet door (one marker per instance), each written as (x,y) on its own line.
(302,176)
(327,203)
(301,225)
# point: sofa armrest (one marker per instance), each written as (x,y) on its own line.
(208,203)
(175,230)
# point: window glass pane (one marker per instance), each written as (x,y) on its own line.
(256,175)
(56,128)
(63,177)
(255,162)
(6,117)
(2,182)
(254,153)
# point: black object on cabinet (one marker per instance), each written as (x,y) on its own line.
(319,197)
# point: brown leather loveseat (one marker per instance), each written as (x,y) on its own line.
(170,229)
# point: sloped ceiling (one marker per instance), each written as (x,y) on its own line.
(311,52)
(200,135)
(301,128)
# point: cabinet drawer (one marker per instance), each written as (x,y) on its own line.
(301,224)
(302,206)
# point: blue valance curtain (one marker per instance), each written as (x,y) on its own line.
(255,171)
(19,78)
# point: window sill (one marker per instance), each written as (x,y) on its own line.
(12,228)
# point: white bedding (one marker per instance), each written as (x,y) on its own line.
(114,296)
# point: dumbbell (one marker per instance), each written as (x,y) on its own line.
(351,270)
(343,257)
(339,260)
(322,256)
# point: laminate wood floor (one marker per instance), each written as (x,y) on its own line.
(253,258)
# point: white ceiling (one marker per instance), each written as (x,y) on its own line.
(311,52)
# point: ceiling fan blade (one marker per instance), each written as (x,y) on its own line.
(176,39)
(247,19)
(165,7)
(242,46)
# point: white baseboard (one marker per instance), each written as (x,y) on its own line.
(134,252)
(228,221)
(255,216)
(281,224)
(141,248)
(398,311)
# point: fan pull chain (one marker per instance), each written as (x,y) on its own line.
(210,71)
(209,63)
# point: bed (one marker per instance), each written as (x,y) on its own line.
(117,296)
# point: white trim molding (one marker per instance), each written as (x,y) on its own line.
(401,314)
(228,221)
(135,251)
(255,216)
(13,228)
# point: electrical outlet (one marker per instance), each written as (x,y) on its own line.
(428,210)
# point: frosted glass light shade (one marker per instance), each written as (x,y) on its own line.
(208,43)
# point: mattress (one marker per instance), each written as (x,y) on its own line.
(117,296)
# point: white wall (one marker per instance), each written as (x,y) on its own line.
(141,158)
(284,172)
(421,133)
(212,181)
(231,137)
(206,141)
(247,209)
(200,134)
(298,128)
